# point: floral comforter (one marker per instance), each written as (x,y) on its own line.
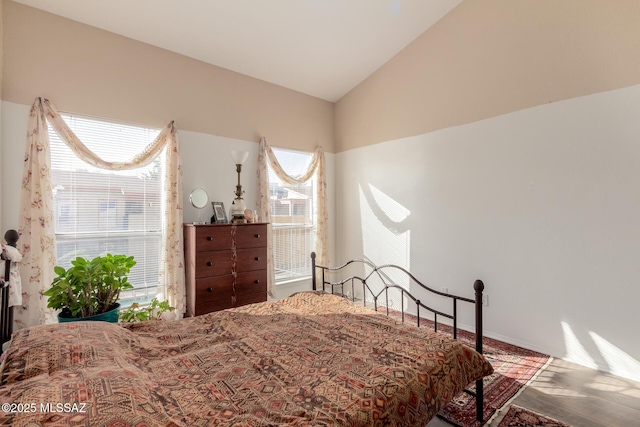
(312,359)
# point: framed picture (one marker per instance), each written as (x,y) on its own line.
(219,214)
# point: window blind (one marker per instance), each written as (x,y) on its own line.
(98,211)
(293,217)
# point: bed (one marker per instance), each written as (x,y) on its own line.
(312,359)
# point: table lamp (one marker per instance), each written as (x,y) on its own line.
(238,206)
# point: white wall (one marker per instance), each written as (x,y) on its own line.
(13,137)
(542,204)
(206,163)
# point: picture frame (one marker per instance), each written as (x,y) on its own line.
(219,213)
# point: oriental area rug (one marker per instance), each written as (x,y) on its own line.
(517,416)
(514,367)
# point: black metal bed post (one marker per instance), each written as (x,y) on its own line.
(6,315)
(313,271)
(455,319)
(479,287)
(5,321)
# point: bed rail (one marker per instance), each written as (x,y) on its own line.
(6,312)
(321,273)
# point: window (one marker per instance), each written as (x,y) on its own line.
(99,211)
(293,217)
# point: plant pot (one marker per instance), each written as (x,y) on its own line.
(108,316)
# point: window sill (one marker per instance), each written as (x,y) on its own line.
(295,281)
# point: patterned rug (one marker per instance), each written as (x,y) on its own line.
(514,368)
(521,417)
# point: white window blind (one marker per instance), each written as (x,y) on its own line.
(293,217)
(98,211)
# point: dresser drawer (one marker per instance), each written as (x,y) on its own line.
(217,263)
(208,307)
(251,236)
(223,304)
(212,238)
(216,293)
(250,299)
(213,263)
(221,287)
(251,259)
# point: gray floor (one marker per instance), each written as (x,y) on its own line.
(578,396)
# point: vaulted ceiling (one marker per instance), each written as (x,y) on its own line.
(323,48)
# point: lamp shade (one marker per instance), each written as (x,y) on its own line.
(239,157)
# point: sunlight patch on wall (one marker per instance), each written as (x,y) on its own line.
(619,363)
(575,351)
(385,236)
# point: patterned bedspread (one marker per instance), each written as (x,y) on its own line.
(311,359)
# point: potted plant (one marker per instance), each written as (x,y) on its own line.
(138,313)
(90,289)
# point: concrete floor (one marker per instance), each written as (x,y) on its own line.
(578,396)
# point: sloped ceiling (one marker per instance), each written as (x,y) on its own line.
(322,48)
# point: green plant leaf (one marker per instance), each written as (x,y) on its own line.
(90,287)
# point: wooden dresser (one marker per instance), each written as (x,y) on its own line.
(213,253)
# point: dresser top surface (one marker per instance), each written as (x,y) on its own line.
(188,224)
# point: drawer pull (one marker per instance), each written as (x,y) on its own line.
(257,236)
(209,238)
(257,281)
(209,264)
(209,289)
(257,258)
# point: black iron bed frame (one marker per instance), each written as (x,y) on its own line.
(6,312)
(380,272)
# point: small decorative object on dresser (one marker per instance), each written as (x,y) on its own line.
(199,199)
(219,214)
(226,266)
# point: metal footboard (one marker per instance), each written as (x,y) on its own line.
(320,281)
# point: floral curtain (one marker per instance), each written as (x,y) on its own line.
(316,166)
(36,224)
(36,227)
